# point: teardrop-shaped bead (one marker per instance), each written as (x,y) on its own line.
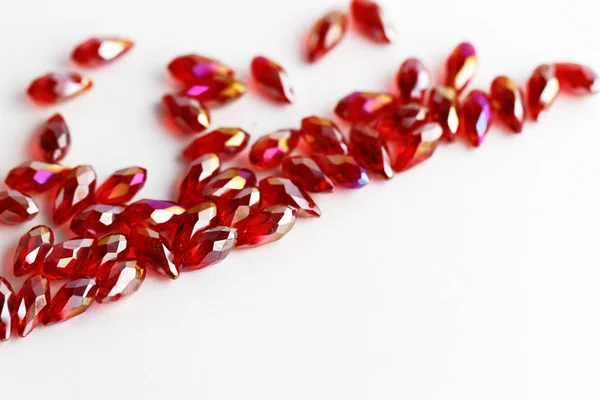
(401,120)
(32,249)
(33,177)
(71,300)
(112,247)
(343,170)
(276,190)
(507,100)
(121,186)
(57,87)
(190,68)
(476,117)
(153,250)
(305,173)
(195,221)
(55,139)
(8,303)
(199,173)
(66,259)
(272,80)
(268,226)
(269,150)
(461,66)
(75,194)
(372,21)
(97,220)
(414,147)
(577,78)
(31,304)
(216,90)
(119,279)
(224,142)
(187,113)
(16,208)
(413,81)
(326,34)
(361,108)
(208,248)
(323,136)
(157,214)
(241,207)
(542,88)
(370,151)
(99,51)
(444,106)
(229,183)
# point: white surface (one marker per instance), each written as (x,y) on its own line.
(473,276)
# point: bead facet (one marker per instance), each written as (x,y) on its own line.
(121,186)
(272,80)
(35,177)
(507,100)
(8,302)
(276,190)
(476,117)
(370,151)
(325,34)
(55,139)
(112,247)
(343,170)
(305,173)
(75,193)
(32,249)
(200,172)
(193,67)
(208,248)
(57,87)
(157,214)
(153,251)
(119,279)
(414,147)
(32,302)
(443,105)
(577,78)
(413,81)
(67,258)
(372,20)
(269,150)
(224,142)
(99,51)
(542,88)
(268,226)
(71,300)
(242,206)
(461,66)
(229,183)
(323,136)
(98,219)
(189,114)
(195,221)
(361,108)
(16,208)
(215,91)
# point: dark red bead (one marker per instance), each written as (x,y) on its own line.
(8,303)
(153,250)
(542,89)
(32,249)
(121,186)
(476,117)
(67,258)
(241,207)
(269,225)
(414,147)
(370,151)
(229,183)
(208,248)
(216,90)
(343,170)
(272,80)
(191,67)
(224,142)
(71,300)
(323,136)
(305,173)
(195,221)
(461,66)
(189,114)
(200,172)
(269,150)
(75,194)
(55,139)
(326,34)
(401,120)
(444,107)
(372,20)
(507,100)
(97,220)
(360,108)
(413,81)
(277,190)
(35,177)
(31,304)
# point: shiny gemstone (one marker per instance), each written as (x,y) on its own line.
(55,139)
(209,248)
(121,186)
(577,78)
(413,81)
(272,80)
(305,173)
(276,190)
(542,88)
(224,142)
(189,114)
(461,66)
(215,91)
(53,88)
(35,177)
(98,51)
(476,117)
(96,220)
(269,150)
(507,100)
(200,172)
(195,221)
(268,226)
(372,20)
(32,249)
(66,259)
(343,170)
(8,302)
(31,304)
(414,147)
(72,299)
(242,206)
(323,136)
(157,214)
(401,120)
(363,107)
(370,151)
(112,247)
(75,194)
(229,183)
(192,67)
(325,34)
(443,105)
(16,208)
(153,250)
(119,279)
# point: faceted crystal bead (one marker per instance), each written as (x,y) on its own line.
(343,170)
(577,78)
(325,34)
(55,139)
(195,221)
(71,300)
(269,150)
(242,206)
(75,194)
(209,248)
(507,100)
(96,220)
(323,136)
(272,80)
(189,114)
(199,174)
(31,304)
(32,249)
(112,247)
(8,302)
(401,120)
(542,89)
(414,147)
(229,183)
(216,90)
(305,173)
(157,214)
(413,81)
(276,190)
(363,107)
(57,87)
(121,186)
(224,142)
(66,259)
(476,117)
(16,208)
(372,21)
(370,151)
(461,66)
(99,51)
(35,177)
(443,105)
(119,279)
(193,67)
(268,226)
(153,251)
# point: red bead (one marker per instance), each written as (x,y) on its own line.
(96,220)
(269,150)
(32,249)
(325,34)
(192,67)
(401,120)
(157,214)
(31,304)
(443,105)
(189,114)
(272,80)
(16,208)
(121,186)
(195,221)
(153,250)
(507,100)
(476,117)
(413,81)
(8,302)
(75,194)
(305,173)
(268,226)
(216,90)
(67,258)
(343,170)
(35,177)
(363,107)
(71,300)
(112,247)
(199,174)
(542,89)
(371,19)
(276,190)
(99,51)
(209,248)
(242,206)
(224,142)
(461,66)
(370,151)
(577,78)
(55,139)
(229,183)
(323,136)
(57,87)
(414,147)
(119,279)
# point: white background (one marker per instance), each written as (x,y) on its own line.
(473,276)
